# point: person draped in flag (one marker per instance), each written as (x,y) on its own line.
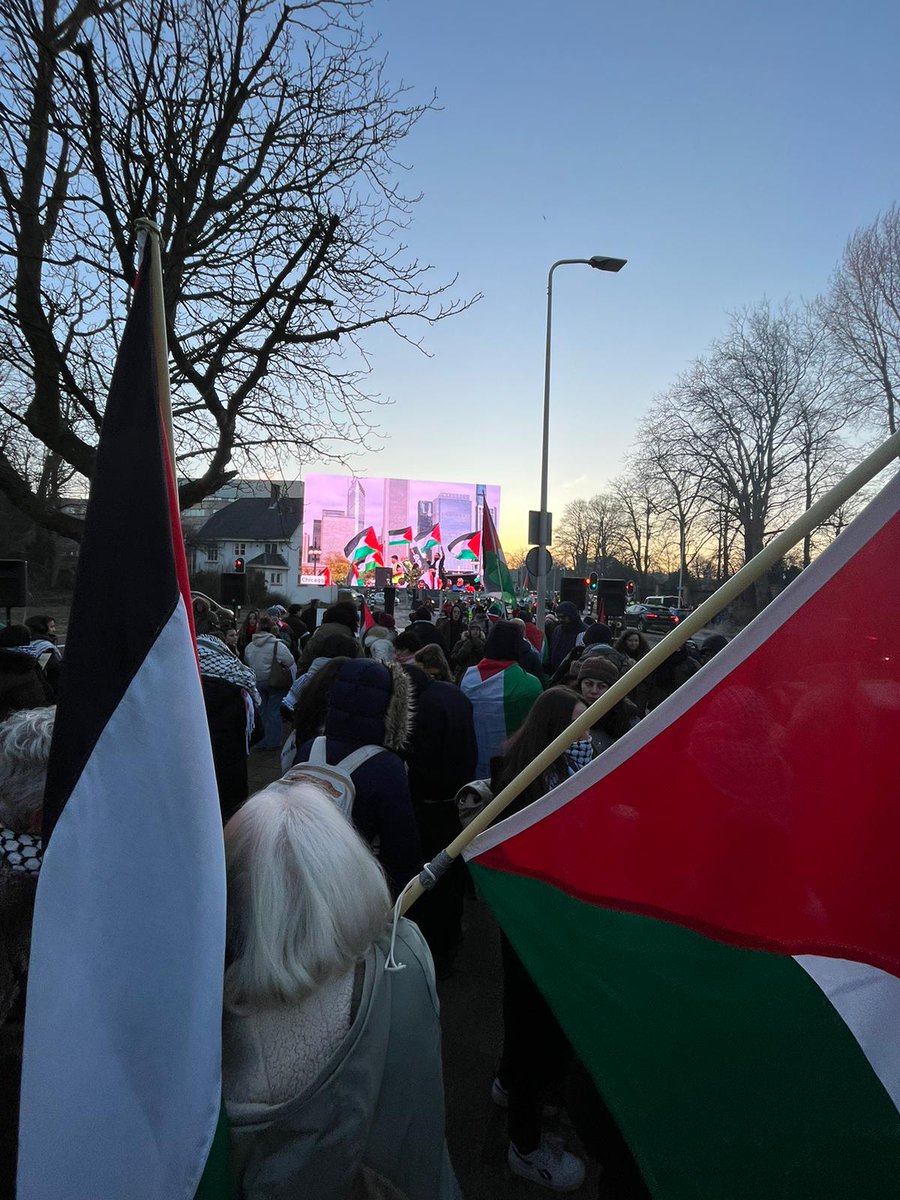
(501,693)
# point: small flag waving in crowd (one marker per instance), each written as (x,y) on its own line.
(712,907)
(121,1079)
(495,573)
(467,547)
(363,546)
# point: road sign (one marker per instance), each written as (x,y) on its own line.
(538,561)
(534,528)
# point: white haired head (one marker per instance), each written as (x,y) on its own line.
(25,738)
(306,897)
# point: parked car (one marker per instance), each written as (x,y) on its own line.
(650,618)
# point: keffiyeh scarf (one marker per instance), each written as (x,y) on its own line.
(217,661)
(22,851)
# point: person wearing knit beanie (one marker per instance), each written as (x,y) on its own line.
(594,676)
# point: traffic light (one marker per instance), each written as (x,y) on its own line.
(239,566)
(629,587)
(593,581)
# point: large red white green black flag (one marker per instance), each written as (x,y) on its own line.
(713,906)
(121,1082)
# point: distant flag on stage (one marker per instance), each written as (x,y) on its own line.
(712,907)
(400,537)
(121,1080)
(470,547)
(495,572)
(326,576)
(426,542)
(364,545)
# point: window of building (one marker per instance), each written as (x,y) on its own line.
(271,547)
(212,552)
(275,578)
(240,549)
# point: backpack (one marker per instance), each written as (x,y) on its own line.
(335,781)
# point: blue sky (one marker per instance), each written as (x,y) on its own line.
(726,150)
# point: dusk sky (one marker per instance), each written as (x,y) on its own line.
(726,150)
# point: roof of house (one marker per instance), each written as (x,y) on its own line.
(254,520)
(267,560)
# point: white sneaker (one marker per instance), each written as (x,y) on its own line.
(549,1165)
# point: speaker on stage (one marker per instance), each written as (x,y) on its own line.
(574,590)
(383,577)
(390,599)
(13,583)
(233,588)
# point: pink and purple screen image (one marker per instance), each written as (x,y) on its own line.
(338,507)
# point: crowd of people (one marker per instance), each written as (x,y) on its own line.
(379,732)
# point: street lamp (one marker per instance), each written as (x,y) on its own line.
(600,262)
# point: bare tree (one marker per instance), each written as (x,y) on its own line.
(862,313)
(638,501)
(740,407)
(573,538)
(606,521)
(263,139)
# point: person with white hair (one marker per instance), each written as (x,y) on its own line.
(24,751)
(331,1062)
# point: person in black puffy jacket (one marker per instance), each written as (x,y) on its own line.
(370,705)
(441,754)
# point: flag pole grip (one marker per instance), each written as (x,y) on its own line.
(776,549)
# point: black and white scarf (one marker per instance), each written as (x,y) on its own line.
(217,661)
(22,851)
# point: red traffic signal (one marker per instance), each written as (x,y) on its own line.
(239,565)
(629,587)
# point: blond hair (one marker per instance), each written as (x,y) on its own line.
(306,897)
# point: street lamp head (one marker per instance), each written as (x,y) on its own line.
(602,262)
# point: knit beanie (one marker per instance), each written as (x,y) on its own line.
(598,667)
(598,632)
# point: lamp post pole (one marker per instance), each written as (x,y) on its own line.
(600,262)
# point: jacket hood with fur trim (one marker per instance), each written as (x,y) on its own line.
(370,705)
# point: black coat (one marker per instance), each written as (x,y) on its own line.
(427,633)
(361,712)
(227,720)
(442,752)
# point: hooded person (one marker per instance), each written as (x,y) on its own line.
(266,651)
(565,635)
(370,704)
(452,626)
(341,618)
(501,692)
(378,642)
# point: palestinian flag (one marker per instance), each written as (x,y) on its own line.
(326,576)
(469,547)
(426,542)
(501,697)
(121,1080)
(400,537)
(368,621)
(497,579)
(712,907)
(364,545)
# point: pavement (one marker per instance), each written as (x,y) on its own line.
(472,1033)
